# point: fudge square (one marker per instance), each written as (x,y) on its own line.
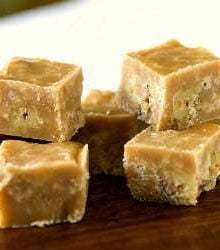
(42,184)
(106,131)
(171,86)
(173,166)
(40,99)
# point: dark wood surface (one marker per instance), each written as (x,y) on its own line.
(113,220)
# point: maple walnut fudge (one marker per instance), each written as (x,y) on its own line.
(171,86)
(40,99)
(173,166)
(42,184)
(106,131)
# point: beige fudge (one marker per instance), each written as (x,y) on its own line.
(42,184)
(40,99)
(171,86)
(173,166)
(106,131)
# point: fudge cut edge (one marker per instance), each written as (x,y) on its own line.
(150,182)
(12,177)
(190,104)
(141,91)
(70,114)
(197,171)
(31,108)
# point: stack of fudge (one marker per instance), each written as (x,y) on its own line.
(176,90)
(160,130)
(41,183)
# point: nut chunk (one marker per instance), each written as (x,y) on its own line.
(106,131)
(42,184)
(171,86)
(173,166)
(40,99)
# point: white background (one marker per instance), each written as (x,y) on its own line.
(96,33)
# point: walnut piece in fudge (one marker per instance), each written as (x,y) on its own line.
(42,184)
(173,166)
(40,99)
(171,86)
(106,131)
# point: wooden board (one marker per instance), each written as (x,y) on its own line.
(115,221)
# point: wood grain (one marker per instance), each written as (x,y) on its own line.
(115,221)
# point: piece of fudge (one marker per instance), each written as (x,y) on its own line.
(106,131)
(40,99)
(171,86)
(99,97)
(173,166)
(42,184)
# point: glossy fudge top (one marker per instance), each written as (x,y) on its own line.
(172,56)
(102,103)
(25,154)
(99,97)
(190,139)
(36,71)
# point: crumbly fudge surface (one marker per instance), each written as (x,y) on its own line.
(173,166)
(36,71)
(172,56)
(106,131)
(42,184)
(41,99)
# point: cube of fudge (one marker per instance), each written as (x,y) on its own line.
(106,131)
(40,99)
(173,166)
(42,184)
(171,86)
(99,97)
